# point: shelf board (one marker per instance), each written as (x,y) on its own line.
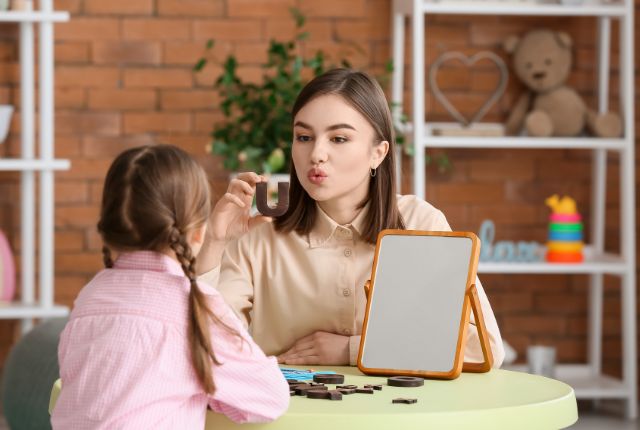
(21,311)
(588,8)
(603,263)
(33,16)
(515,142)
(585,385)
(523,142)
(17,164)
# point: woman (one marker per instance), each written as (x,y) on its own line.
(298,281)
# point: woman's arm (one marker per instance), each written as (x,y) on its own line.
(473,350)
(234,283)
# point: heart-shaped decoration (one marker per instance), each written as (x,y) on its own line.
(468,61)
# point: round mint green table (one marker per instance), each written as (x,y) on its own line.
(499,399)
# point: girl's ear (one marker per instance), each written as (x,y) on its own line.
(379,152)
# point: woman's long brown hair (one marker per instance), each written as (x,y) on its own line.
(153,197)
(364,94)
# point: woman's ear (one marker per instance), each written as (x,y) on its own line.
(379,152)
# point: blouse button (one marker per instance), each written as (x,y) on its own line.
(347,252)
(346,331)
(346,292)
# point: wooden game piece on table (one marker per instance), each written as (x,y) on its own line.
(376,387)
(346,387)
(302,390)
(347,391)
(329,378)
(283,199)
(405,381)
(317,394)
(324,394)
(334,395)
(402,400)
(299,385)
(364,390)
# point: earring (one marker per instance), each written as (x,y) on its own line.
(373,172)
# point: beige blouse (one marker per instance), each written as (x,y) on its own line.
(287,286)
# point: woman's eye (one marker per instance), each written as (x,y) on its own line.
(339,139)
(303,138)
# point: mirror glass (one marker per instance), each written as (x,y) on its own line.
(417,302)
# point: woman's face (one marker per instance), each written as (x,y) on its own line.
(334,148)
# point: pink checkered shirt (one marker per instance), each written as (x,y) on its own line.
(125,361)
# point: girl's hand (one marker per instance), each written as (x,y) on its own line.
(319,348)
(231,216)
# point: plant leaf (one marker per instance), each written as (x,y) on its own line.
(297,16)
(200,64)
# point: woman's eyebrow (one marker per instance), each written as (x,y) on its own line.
(339,126)
(303,125)
(331,127)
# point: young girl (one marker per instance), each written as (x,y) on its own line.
(146,345)
(302,276)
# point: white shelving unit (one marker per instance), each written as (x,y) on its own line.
(29,165)
(587,379)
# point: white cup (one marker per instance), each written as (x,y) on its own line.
(542,360)
(6,111)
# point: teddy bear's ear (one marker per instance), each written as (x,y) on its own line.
(511,44)
(564,39)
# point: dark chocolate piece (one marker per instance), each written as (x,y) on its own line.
(293,382)
(329,378)
(407,401)
(283,199)
(347,387)
(375,387)
(347,390)
(364,390)
(405,381)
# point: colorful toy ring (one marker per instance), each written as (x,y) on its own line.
(564,257)
(564,227)
(565,218)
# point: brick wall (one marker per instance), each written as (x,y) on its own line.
(124,78)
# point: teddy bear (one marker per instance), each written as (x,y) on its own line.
(542,61)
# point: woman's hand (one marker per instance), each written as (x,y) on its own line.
(319,348)
(231,215)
